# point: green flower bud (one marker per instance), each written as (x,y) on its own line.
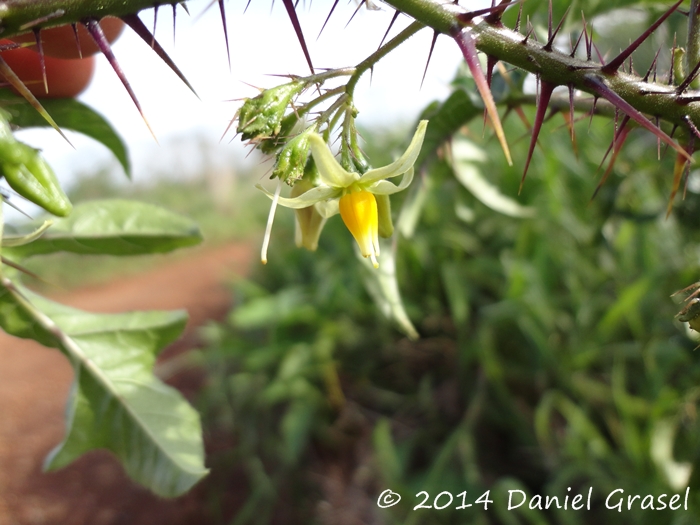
(386,226)
(272,144)
(678,69)
(35,181)
(261,117)
(291,161)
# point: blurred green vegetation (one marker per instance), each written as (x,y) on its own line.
(226,207)
(549,359)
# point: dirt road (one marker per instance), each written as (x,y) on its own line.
(34,383)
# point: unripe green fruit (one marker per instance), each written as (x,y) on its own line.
(36,182)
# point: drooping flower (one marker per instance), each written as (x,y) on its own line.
(351,194)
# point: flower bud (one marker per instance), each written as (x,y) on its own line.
(308,222)
(291,161)
(386,226)
(261,117)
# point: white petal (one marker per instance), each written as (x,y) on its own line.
(404,162)
(384,187)
(311,197)
(332,174)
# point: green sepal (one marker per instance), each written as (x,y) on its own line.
(308,222)
(386,225)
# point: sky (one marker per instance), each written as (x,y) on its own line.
(262,43)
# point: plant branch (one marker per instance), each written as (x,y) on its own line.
(20,16)
(553,66)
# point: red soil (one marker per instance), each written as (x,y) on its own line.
(34,383)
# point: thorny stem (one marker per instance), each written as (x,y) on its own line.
(17,16)
(20,16)
(552,65)
(333,124)
(320,78)
(345,154)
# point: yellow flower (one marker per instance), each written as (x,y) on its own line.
(350,194)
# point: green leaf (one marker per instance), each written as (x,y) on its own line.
(295,429)
(509,515)
(68,114)
(625,307)
(114,227)
(289,306)
(386,454)
(116,402)
(382,285)
(445,120)
(466,155)
(412,207)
